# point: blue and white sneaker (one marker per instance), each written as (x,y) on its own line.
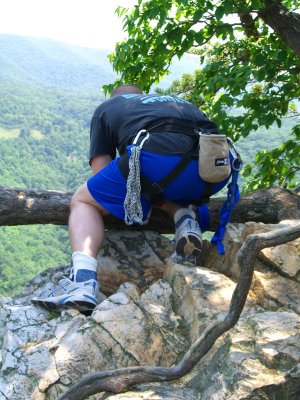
(84,296)
(188,238)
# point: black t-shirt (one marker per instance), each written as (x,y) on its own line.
(117,121)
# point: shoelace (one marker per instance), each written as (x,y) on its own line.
(63,280)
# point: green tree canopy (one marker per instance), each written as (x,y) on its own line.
(250,67)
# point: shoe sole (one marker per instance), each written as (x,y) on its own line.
(189,245)
(80,305)
(46,304)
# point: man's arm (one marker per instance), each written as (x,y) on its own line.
(99,162)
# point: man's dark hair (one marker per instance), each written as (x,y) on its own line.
(127,89)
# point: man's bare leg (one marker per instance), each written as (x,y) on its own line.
(86,226)
(86,231)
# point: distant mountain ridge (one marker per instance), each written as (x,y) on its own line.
(48,63)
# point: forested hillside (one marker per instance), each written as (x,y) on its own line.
(43,145)
(48,92)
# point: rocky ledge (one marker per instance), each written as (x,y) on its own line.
(156,307)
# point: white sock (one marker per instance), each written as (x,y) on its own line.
(182,213)
(84,267)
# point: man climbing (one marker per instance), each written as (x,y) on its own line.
(156,137)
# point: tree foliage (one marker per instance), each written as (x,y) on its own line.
(249,68)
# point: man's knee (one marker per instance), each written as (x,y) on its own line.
(81,195)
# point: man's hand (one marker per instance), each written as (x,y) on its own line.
(99,162)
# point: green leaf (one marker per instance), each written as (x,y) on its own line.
(282,55)
(199,38)
(220,11)
(198,14)
(228,7)
(259,59)
(256,5)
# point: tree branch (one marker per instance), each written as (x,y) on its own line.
(285,23)
(120,380)
(26,206)
(248,23)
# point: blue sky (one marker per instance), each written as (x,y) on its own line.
(85,23)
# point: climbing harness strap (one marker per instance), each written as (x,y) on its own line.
(233,196)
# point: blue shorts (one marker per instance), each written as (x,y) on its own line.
(108,186)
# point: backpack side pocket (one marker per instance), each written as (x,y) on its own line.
(214,163)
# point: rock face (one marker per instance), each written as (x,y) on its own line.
(155,309)
(132,257)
